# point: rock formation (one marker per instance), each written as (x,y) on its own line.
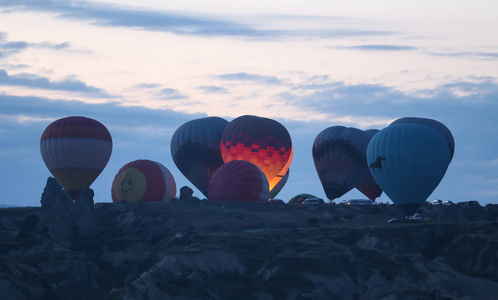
(207,250)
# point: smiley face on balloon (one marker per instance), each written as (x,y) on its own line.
(130,185)
(143,180)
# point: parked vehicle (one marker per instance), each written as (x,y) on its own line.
(448,202)
(415,218)
(359,202)
(471,203)
(437,202)
(313,201)
(276,201)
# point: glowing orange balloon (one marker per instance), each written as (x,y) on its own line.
(261,141)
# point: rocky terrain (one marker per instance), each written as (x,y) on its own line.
(192,249)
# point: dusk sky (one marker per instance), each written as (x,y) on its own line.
(145,68)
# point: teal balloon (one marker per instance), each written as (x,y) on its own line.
(408,161)
(436,125)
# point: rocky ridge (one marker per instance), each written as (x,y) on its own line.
(193,249)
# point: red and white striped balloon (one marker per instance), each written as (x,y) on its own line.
(76,150)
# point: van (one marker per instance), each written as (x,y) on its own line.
(313,201)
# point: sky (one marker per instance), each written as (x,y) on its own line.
(145,68)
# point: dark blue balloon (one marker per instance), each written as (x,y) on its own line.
(408,161)
(339,154)
(195,148)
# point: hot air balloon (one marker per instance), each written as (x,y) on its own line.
(195,148)
(369,187)
(143,180)
(408,161)
(239,181)
(75,150)
(339,154)
(438,126)
(261,141)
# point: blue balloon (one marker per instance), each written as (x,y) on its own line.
(408,161)
(438,126)
(195,148)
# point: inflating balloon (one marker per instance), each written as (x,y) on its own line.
(408,161)
(438,126)
(75,150)
(143,180)
(239,181)
(195,148)
(369,187)
(339,154)
(261,141)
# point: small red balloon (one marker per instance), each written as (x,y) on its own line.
(239,181)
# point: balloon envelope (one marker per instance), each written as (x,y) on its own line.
(143,180)
(339,154)
(261,141)
(436,125)
(195,148)
(408,161)
(75,150)
(369,187)
(239,181)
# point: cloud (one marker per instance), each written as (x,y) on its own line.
(53,46)
(147,85)
(171,94)
(13,47)
(116,16)
(16,46)
(34,81)
(376,48)
(15,66)
(255,78)
(460,98)
(112,15)
(212,89)
(475,55)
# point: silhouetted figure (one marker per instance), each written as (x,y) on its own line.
(186,193)
(377,165)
